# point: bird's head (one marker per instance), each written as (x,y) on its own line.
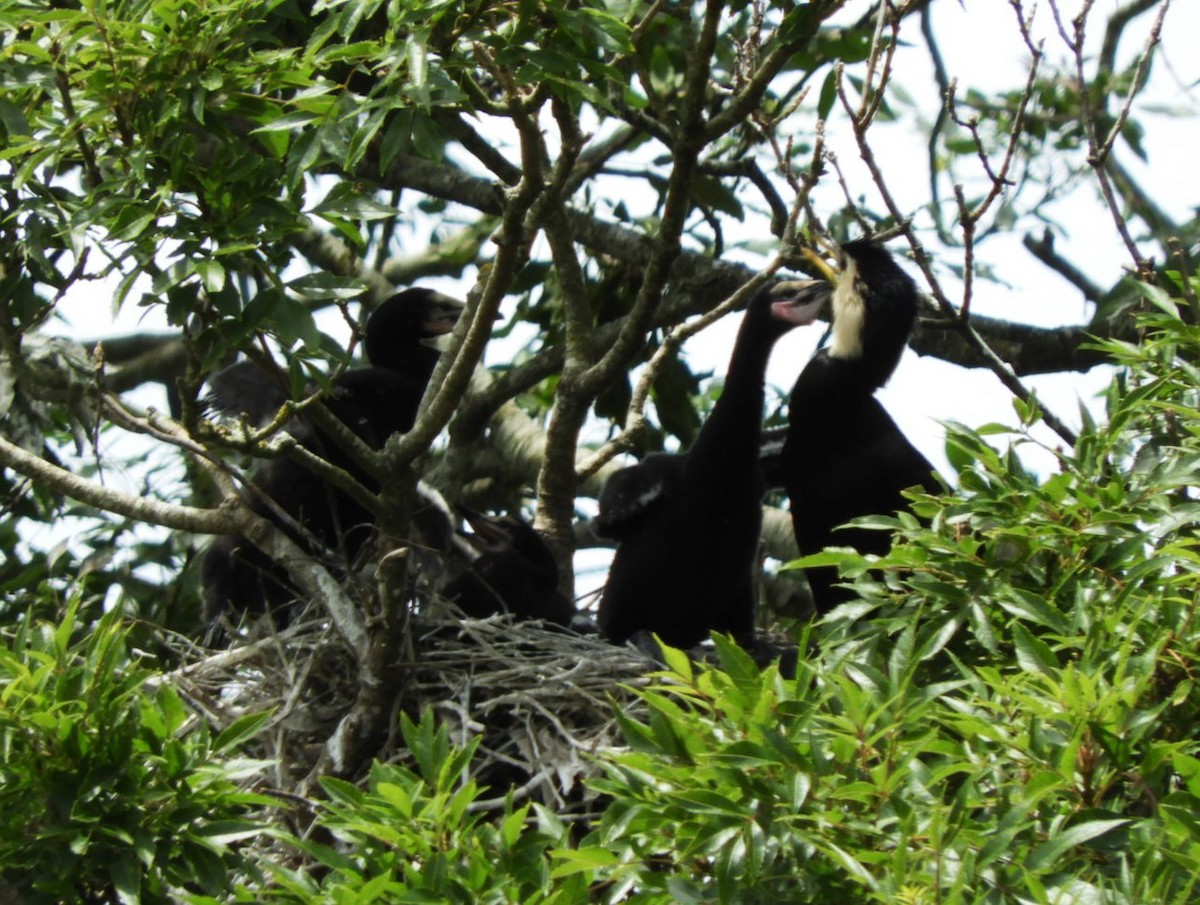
(413,317)
(874,307)
(795,303)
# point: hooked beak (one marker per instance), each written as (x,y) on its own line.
(822,266)
(443,314)
(798,302)
(485,527)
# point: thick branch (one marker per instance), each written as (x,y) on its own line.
(154,512)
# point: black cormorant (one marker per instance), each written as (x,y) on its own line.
(688,526)
(514,573)
(375,402)
(844,456)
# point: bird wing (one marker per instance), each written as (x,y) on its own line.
(634,492)
(245,388)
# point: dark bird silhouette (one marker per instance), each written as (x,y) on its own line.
(374,401)
(515,573)
(399,344)
(632,495)
(844,457)
(688,526)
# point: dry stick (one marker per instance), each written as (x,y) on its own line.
(968,217)
(997,365)
(750,97)
(1118,20)
(1097,150)
(686,146)
(946,87)
(873,99)
(1136,83)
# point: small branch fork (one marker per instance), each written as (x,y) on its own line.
(861,116)
(1100,146)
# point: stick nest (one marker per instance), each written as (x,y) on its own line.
(542,698)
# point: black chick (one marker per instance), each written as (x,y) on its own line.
(375,402)
(844,457)
(515,573)
(689,525)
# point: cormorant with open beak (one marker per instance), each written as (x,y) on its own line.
(689,525)
(844,457)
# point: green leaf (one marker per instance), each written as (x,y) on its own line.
(1033,654)
(587,859)
(242,730)
(828,94)
(1045,855)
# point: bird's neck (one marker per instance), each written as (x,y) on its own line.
(748,362)
(831,382)
(421,363)
(731,432)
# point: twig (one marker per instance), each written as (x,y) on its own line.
(968,331)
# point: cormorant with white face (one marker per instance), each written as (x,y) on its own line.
(688,526)
(844,457)
(375,402)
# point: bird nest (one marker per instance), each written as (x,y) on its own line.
(540,698)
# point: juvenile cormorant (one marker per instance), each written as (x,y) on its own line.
(689,525)
(399,339)
(375,402)
(844,457)
(515,573)
(632,494)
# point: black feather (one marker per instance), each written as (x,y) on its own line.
(374,402)
(515,573)
(685,563)
(844,457)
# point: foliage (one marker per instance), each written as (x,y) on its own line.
(239,168)
(1009,716)
(1007,713)
(107,791)
(412,836)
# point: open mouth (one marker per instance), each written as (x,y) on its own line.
(798,302)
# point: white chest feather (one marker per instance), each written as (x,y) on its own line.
(849,312)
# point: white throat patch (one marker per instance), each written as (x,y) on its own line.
(849,313)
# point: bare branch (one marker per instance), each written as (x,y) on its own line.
(138,508)
(968,331)
(1043,250)
(1136,84)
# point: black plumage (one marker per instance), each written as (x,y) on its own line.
(688,526)
(375,401)
(633,494)
(514,573)
(844,457)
